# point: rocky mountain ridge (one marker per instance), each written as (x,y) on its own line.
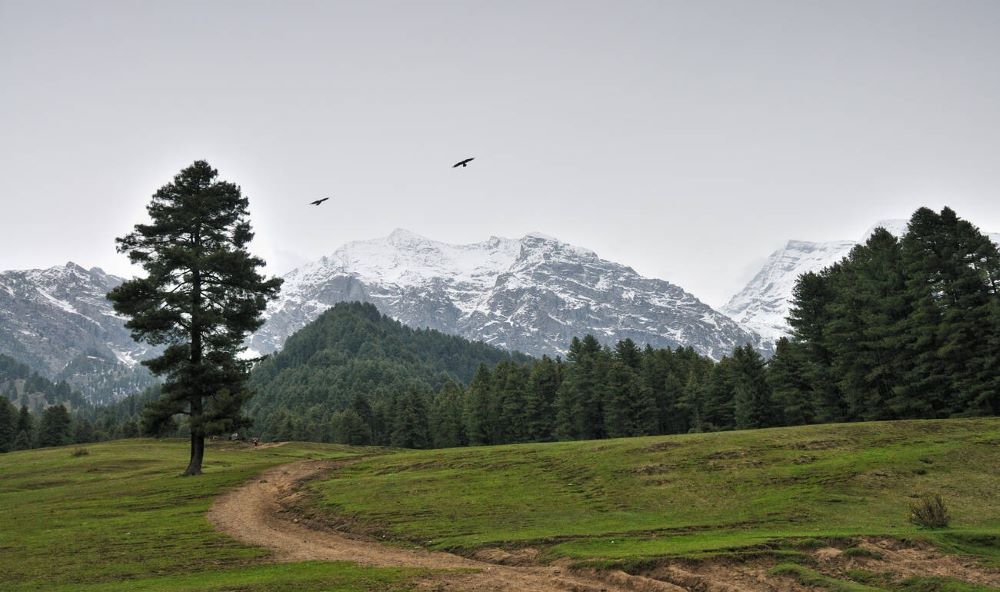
(532,294)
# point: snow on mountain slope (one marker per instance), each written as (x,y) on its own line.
(58,321)
(531,294)
(764,303)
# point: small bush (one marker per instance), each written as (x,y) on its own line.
(930,511)
(80,452)
(861,552)
(808,543)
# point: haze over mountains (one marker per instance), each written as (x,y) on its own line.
(764,303)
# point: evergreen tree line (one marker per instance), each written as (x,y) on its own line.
(23,386)
(56,425)
(596,392)
(901,328)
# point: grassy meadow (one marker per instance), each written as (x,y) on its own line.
(629,500)
(121,518)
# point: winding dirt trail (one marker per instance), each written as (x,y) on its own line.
(253,513)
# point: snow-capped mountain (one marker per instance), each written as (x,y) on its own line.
(763,304)
(59,322)
(532,294)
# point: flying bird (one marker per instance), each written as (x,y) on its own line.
(463,163)
(318,201)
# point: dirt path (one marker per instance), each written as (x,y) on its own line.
(253,514)
(257,513)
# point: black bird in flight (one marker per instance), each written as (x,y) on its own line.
(463,163)
(318,201)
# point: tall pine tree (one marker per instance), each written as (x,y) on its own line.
(201,297)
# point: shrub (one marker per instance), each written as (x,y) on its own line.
(855,552)
(930,511)
(80,452)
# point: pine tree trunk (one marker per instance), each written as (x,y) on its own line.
(197,454)
(197,430)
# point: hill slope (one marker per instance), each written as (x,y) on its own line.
(353,349)
(634,502)
(22,386)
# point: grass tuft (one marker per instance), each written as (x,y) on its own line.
(930,512)
(860,552)
(810,577)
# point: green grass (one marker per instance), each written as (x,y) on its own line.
(121,518)
(940,585)
(811,577)
(687,495)
(884,581)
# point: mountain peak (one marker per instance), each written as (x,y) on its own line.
(895,226)
(402,235)
(542,236)
(532,294)
(764,303)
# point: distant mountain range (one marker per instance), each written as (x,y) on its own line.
(59,322)
(531,294)
(763,305)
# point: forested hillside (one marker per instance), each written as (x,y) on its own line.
(351,353)
(900,329)
(21,385)
(37,412)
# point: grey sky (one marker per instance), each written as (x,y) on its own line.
(686,139)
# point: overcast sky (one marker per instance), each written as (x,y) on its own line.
(685,139)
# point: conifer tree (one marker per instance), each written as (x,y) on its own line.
(350,428)
(8,424)
(792,391)
(410,421)
(629,353)
(447,421)
(716,395)
(539,407)
(866,326)
(54,429)
(629,410)
(22,441)
(25,426)
(480,408)
(580,401)
(511,386)
(201,297)
(83,431)
(809,319)
(752,407)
